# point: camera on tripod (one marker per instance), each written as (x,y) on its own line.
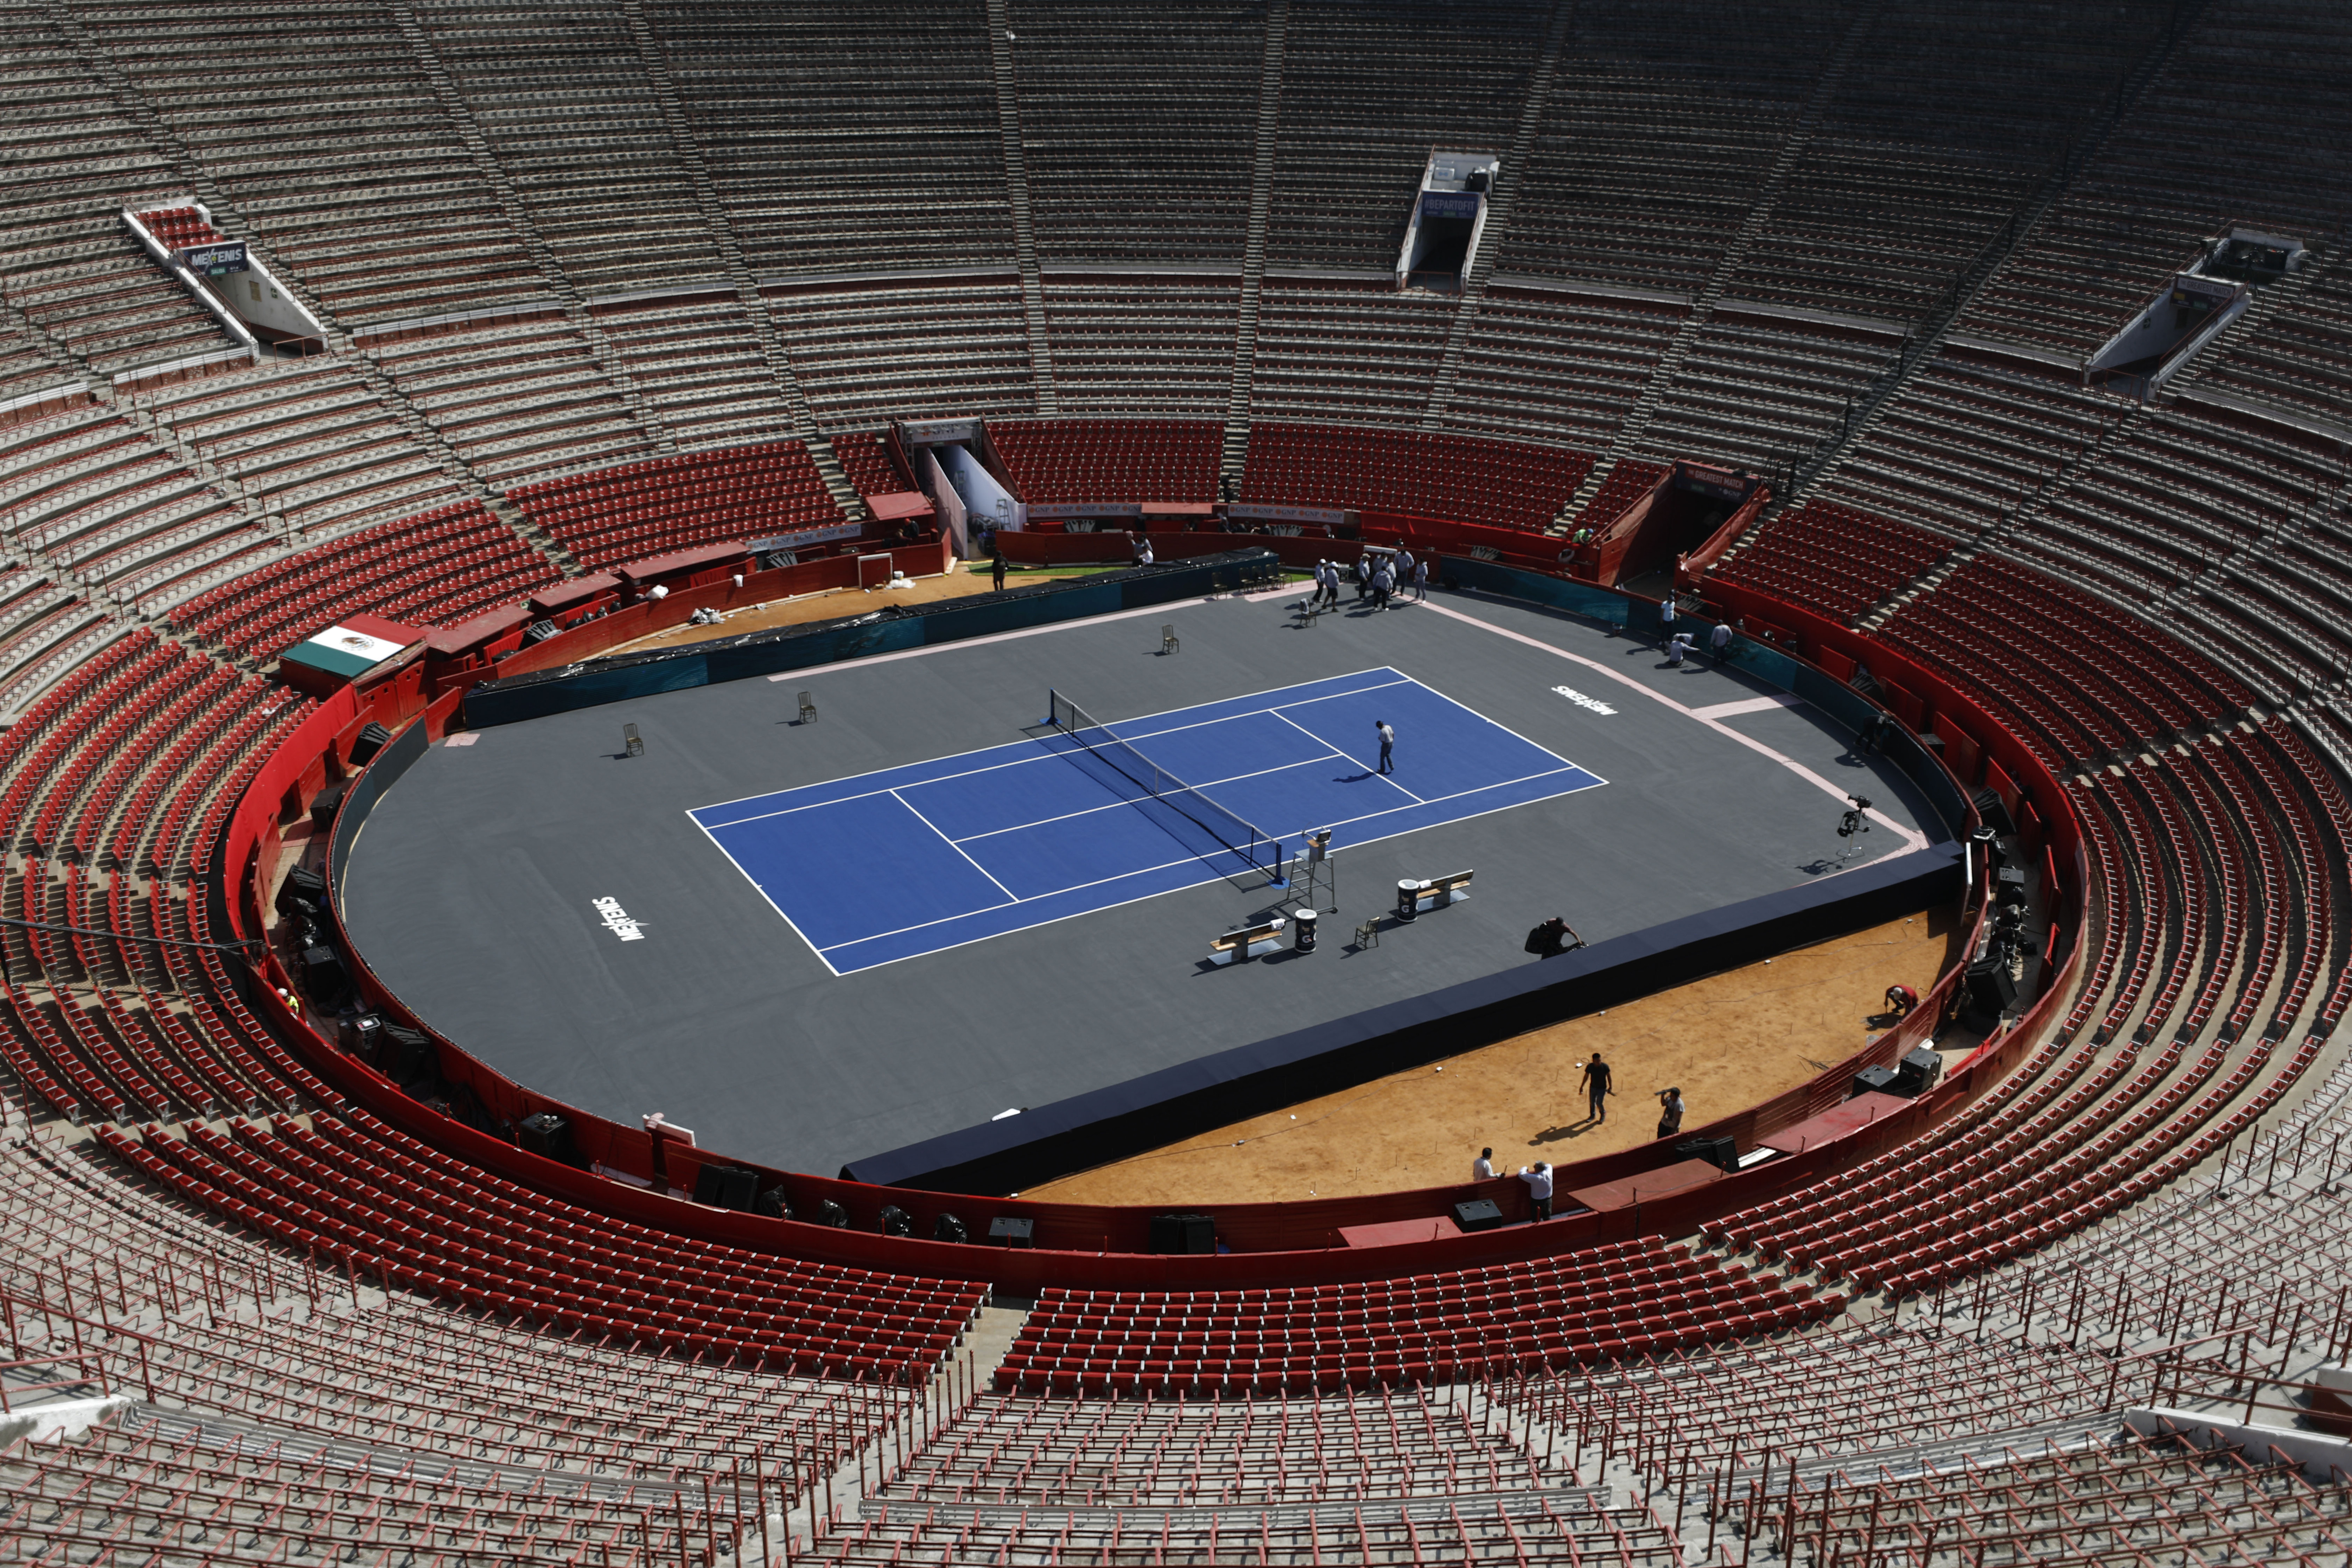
(1854,822)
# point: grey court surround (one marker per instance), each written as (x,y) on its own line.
(492,886)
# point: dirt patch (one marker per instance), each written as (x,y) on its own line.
(1729,1041)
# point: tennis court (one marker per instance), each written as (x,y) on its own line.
(1080,818)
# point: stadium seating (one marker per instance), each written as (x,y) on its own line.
(1457,477)
(674,503)
(1830,556)
(1110,460)
(542,252)
(440,565)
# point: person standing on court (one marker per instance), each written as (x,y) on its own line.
(1388,743)
(1420,580)
(1719,641)
(1482,1169)
(1363,577)
(1382,586)
(996,571)
(1538,1177)
(1596,1089)
(1667,616)
(1669,1112)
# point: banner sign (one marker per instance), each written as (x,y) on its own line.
(2207,288)
(1286,513)
(213,261)
(806,536)
(1720,483)
(1450,203)
(1085,508)
(935,432)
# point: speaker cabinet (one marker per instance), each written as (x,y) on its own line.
(1873,1080)
(1195,1233)
(368,742)
(1478,1214)
(773,1203)
(304,891)
(948,1227)
(1987,993)
(1723,1154)
(323,980)
(548,1136)
(832,1214)
(725,1186)
(1011,1230)
(1916,1074)
(896,1221)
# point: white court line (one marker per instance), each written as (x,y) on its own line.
(1912,838)
(1355,761)
(1750,705)
(1195,789)
(951,844)
(1029,757)
(1192,859)
(791,924)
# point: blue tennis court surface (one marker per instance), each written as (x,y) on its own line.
(908,860)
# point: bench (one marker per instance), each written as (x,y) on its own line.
(1439,892)
(1247,941)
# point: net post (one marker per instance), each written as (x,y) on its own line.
(1051,707)
(1277,880)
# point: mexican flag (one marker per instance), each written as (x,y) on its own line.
(351,646)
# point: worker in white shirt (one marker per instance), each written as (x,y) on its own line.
(1719,640)
(1482,1169)
(1538,1177)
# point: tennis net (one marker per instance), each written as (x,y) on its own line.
(1233,832)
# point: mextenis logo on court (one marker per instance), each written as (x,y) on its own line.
(1581,701)
(616,919)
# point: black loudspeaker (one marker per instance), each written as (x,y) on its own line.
(1195,1233)
(1873,1080)
(304,891)
(537,632)
(832,1214)
(1478,1214)
(323,981)
(2008,885)
(407,1057)
(323,809)
(948,1227)
(1990,811)
(773,1204)
(1723,1154)
(1988,994)
(368,742)
(1916,1073)
(546,1134)
(896,1221)
(358,1036)
(1013,1230)
(725,1186)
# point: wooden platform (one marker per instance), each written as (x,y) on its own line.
(1833,1123)
(1666,1180)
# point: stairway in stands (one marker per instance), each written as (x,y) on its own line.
(739,271)
(1269,123)
(1016,191)
(1661,376)
(1498,216)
